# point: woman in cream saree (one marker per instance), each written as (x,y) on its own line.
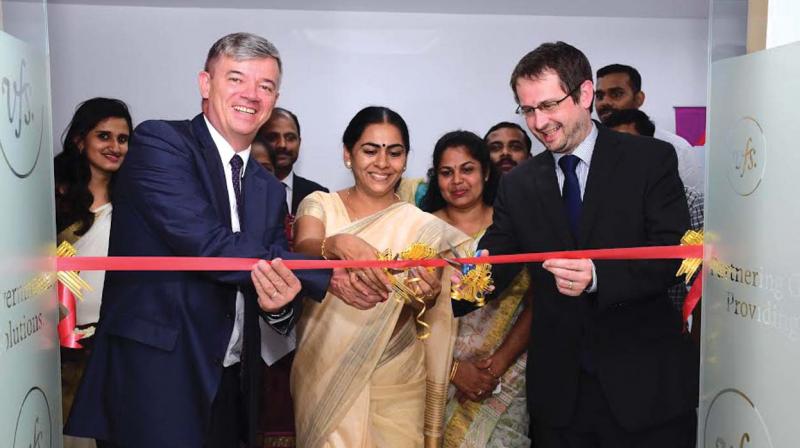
(366,378)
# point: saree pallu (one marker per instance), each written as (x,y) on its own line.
(354,384)
(502,419)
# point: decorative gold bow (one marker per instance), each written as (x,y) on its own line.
(690,265)
(403,288)
(71,279)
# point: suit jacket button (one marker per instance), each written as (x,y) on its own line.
(229,315)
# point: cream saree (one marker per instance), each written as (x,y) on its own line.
(353,383)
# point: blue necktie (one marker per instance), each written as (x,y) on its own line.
(571,192)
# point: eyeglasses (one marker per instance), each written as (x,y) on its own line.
(545,107)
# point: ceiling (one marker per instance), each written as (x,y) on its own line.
(592,8)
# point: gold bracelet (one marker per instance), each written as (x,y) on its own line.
(322,248)
(453,370)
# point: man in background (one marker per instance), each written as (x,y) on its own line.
(620,87)
(282,132)
(509,145)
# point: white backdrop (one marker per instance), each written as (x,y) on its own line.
(440,71)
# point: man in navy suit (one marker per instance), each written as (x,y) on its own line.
(176,358)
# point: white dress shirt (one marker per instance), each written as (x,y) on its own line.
(584,152)
(288,183)
(226,152)
(691,164)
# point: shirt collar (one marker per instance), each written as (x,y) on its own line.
(289,180)
(585,149)
(225,149)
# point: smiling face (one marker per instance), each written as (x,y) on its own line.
(377,159)
(460,178)
(562,129)
(614,93)
(507,148)
(281,133)
(106,144)
(241,95)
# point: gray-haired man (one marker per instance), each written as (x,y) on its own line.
(176,354)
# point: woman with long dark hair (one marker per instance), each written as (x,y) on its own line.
(486,402)
(94,147)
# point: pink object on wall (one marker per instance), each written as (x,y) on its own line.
(690,123)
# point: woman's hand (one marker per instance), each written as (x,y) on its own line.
(495,365)
(426,284)
(350,247)
(473,382)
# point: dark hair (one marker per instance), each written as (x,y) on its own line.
(71,166)
(280,110)
(634,78)
(567,61)
(374,115)
(507,124)
(261,139)
(433,199)
(640,120)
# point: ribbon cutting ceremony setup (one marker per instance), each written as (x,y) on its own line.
(741,271)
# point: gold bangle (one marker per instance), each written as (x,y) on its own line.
(322,248)
(453,370)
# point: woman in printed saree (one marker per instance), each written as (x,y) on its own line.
(95,144)
(486,401)
(374,377)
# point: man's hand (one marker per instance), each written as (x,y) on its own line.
(572,277)
(275,284)
(353,292)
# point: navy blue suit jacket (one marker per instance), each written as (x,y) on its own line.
(162,336)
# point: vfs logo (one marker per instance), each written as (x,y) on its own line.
(22,114)
(748,157)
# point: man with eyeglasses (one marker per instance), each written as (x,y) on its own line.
(619,87)
(608,364)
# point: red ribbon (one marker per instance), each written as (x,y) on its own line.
(692,298)
(246,264)
(66,327)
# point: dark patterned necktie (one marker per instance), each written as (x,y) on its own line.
(571,192)
(236,174)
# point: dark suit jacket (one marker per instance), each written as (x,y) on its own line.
(162,336)
(628,328)
(301,188)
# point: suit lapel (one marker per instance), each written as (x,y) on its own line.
(547,183)
(601,167)
(254,194)
(298,190)
(219,196)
